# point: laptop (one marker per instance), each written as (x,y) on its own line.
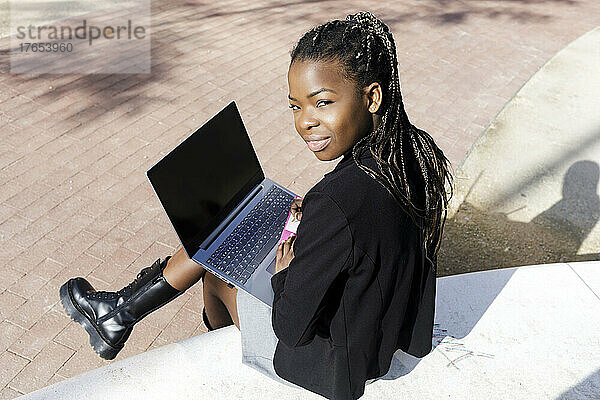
(227,215)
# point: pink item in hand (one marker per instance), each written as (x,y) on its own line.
(291,225)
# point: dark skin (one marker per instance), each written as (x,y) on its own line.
(338,112)
(327,105)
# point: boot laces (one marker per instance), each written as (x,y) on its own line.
(124,292)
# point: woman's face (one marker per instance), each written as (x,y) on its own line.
(329,114)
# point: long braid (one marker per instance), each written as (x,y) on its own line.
(365,47)
(375,28)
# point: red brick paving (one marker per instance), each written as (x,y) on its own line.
(74,148)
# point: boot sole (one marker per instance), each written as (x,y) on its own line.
(100,346)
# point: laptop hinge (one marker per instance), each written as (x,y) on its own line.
(232,215)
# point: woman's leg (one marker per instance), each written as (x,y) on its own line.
(181,272)
(220,302)
(219,299)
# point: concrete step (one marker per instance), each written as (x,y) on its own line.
(530,332)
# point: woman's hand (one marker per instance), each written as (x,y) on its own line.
(296,209)
(285,253)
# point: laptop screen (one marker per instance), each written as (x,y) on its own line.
(206,176)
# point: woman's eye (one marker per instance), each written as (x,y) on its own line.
(323,102)
(293,107)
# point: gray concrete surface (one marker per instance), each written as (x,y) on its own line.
(494,337)
(527,192)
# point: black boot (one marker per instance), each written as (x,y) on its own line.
(108,317)
(204,316)
(205,319)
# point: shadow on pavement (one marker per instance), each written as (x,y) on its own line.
(476,240)
(446,12)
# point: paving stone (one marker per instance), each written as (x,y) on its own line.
(48,269)
(9,302)
(84,359)
(8,393)
(154,252)
(27,259)
(41,368)
(109,243)
(8,276)
(34,308)
(145,333)
(27,285)
(40,334)
(55,378)
(181,326)
(10,333)
(73,336)
(12,364)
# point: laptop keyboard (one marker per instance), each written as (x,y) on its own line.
(249,243)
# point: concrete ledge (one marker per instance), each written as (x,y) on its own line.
(527,192)
(521,333)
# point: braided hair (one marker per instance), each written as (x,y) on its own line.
(364,47)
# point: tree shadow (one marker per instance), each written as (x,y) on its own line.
(111,91)
(108,91)
(441,12)
(446,12)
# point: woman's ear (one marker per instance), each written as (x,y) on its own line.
(374,96)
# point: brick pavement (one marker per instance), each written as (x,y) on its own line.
(74,148)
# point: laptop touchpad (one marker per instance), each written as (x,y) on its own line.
(271,267)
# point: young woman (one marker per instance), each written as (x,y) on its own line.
(357,282)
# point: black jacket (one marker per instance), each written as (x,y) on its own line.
(358,288)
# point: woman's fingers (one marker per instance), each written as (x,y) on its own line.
(297,202)
(285,253)
(281,248)
(287,244)
(297,209)
(296,206)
